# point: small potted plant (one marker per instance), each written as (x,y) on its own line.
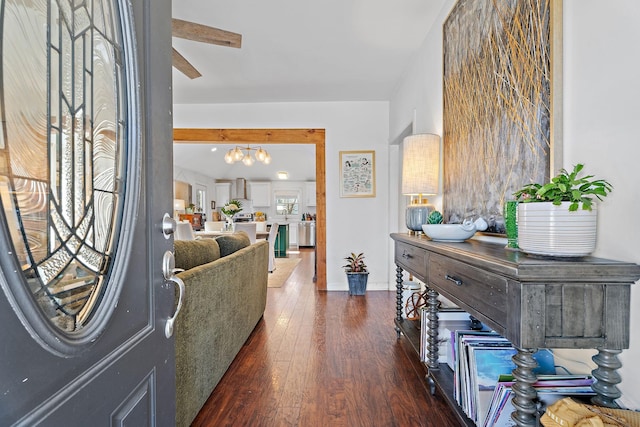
(559,218)
(357,273)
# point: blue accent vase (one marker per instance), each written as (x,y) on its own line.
(417,215)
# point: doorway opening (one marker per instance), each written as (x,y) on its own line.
(277,136)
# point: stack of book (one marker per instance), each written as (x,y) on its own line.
(482,365)
(449,320)
(480,358)
(550,389)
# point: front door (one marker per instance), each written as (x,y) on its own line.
(85,177)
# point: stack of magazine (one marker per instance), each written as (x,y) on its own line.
(550,388)
(481,358)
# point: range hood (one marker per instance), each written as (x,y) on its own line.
(240,190)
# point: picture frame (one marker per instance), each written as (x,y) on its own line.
(213,204)
(357,173)
(502,104)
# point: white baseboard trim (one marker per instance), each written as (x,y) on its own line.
(370,287)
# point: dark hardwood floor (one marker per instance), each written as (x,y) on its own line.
(324,359)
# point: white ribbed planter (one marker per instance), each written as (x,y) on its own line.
(547,229)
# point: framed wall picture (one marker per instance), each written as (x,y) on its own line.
(213,204)
(502,104)
(357,173)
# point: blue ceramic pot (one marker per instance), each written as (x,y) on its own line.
(357,283)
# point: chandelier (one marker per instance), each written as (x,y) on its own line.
(244,153)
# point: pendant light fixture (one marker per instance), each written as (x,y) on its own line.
(244,154)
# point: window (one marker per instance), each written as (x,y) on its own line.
(287,204)
(201,198)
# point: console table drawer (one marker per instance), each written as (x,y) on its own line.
(484,292)
(412,259)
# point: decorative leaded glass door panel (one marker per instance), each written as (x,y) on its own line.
(82,191)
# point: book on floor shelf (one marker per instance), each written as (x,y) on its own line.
(482,365)
(448,320)
(550,388)
(481,357)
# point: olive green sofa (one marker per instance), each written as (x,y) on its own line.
(225,296)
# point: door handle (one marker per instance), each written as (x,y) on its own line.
(169,272)
(168,226)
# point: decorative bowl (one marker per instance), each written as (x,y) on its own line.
(448,232)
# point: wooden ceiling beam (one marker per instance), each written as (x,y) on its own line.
(184,66)
(249,136)
(205,34)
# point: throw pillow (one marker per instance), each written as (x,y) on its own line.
(191,253)
(229,243)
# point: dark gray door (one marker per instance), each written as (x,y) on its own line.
(85,177)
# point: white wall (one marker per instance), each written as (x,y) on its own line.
(353,224)
(601,113)
(601,116)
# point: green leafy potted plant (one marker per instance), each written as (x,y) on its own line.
(357,273)
(559,218)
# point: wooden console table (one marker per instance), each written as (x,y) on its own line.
(533,302)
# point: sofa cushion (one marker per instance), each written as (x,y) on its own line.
(191,253)
(229,243)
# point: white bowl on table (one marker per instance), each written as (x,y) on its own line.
(454,232)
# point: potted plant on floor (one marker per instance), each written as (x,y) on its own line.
(559,218)
(357,273)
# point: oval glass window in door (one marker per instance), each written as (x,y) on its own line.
(63,148)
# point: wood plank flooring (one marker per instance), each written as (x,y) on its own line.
(324,359)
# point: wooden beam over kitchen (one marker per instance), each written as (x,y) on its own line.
(248,136)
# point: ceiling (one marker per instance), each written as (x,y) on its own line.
(292,50)
(298,160)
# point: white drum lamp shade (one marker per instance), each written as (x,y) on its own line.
(420,176)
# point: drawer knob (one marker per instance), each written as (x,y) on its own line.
(453,279)
(406,256)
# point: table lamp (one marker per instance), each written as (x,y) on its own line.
(420,174)
(178,208)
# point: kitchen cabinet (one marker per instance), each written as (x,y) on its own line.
(310,193)
(223,193)
(260,193)
(293,234)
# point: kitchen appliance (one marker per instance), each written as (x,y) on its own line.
(307,234)
(240,189)
(243,217)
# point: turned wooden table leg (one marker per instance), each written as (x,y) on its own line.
(525,395)
(432,333)
(398,298)
(607,377)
